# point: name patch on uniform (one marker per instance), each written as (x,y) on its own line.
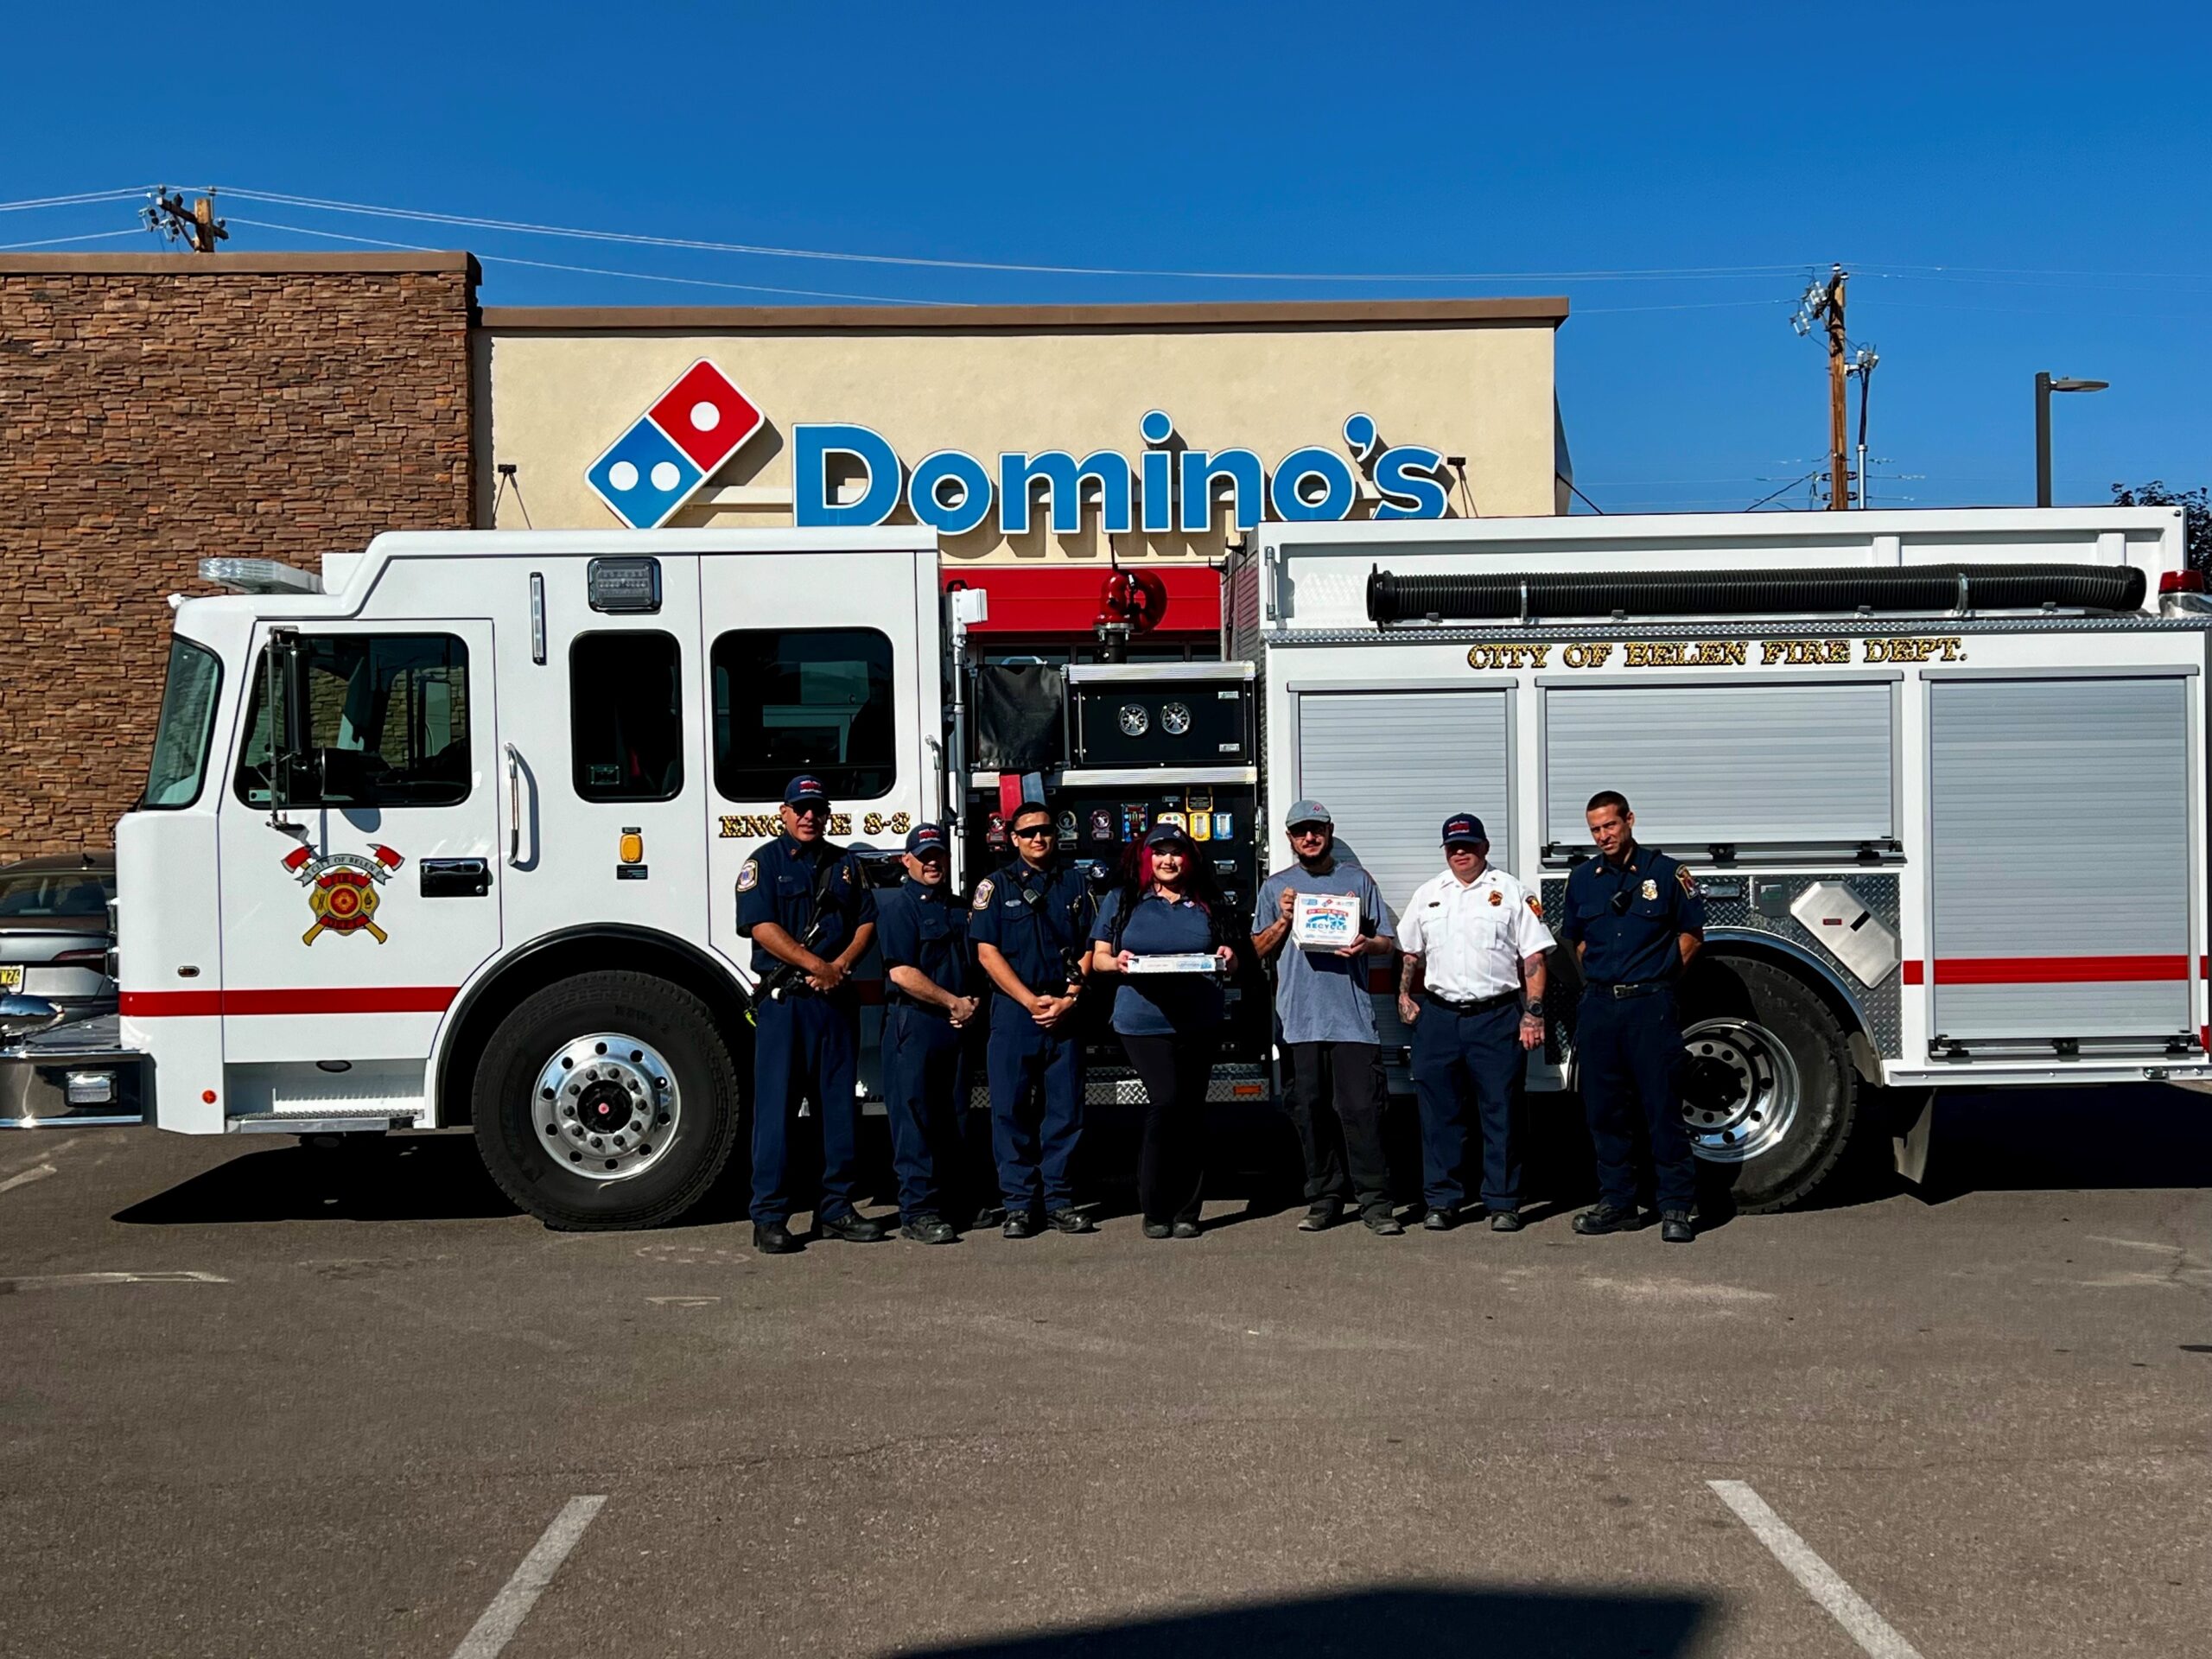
(747,873)
(982,899)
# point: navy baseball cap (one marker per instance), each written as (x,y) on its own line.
(1168,834)
(805,788)
(1463,828)
(926,838)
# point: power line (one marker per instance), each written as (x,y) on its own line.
(29,203)
(527,228)
(591,271)
(82,236)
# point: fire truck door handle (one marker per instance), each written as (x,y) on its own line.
(514,807)
(455,878)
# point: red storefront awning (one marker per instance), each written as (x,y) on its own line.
(1066,599)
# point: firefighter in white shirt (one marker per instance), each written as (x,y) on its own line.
(1472,990)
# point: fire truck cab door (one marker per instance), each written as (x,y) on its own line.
(345,937)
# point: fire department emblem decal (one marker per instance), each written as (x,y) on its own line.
(342,889)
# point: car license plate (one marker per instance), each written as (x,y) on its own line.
(12,976)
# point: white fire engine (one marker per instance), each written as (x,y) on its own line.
(449,832)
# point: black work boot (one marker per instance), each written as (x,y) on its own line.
(1675,1228)
(773,1238)
(1608,1218)
(1440,1221)
(1019,1224)
(1506,1221)
(928,1229)
(1320,1216)
(853,1227)
(1068,1221)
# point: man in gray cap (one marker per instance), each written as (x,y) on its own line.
(1327,1022)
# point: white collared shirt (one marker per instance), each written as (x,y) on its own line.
(1472,936)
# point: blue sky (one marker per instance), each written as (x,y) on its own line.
(2051,160)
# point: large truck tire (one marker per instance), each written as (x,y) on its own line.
(1772,1104)
(606,1102)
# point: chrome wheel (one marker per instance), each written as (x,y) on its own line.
(608,1104)
(1740,1090)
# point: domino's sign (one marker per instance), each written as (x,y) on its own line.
(703,419)
(675,446)
(1170,488)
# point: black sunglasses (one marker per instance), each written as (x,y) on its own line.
(1031,832)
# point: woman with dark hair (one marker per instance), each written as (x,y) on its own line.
(1169,1023)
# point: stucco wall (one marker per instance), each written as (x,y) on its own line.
(561,386)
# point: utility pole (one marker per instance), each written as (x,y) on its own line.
(197,227)
(1822,304)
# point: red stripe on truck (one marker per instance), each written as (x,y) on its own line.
(366,999)
(2049,970)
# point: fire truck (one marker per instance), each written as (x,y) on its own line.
(449,831)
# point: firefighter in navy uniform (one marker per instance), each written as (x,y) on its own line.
(929,1004)
(1030,919)
(1635,918)
(806,906)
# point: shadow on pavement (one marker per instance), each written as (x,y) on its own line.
(434,1177)
(2028,1139)
(1528,1624)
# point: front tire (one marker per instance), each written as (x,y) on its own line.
(607,1102)
(1770,1097)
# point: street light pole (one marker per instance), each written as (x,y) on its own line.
(2045,385)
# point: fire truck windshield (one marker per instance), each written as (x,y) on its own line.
(186,729)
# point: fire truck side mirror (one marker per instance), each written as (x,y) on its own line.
(288,722)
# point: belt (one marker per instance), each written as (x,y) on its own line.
(1480,1005)
(1634,988)
(895,999)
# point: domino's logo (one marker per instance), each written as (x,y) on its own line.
(676,446)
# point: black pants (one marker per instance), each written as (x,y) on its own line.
(1336,1101)
(1630,1050)
(1171,1168)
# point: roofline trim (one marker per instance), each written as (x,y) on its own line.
(979,318)
(237,264)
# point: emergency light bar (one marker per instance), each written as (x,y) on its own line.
(260,576)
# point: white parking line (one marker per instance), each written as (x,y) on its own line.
(29,1175)
(1820,1581)
(79,1281)
(520,1593)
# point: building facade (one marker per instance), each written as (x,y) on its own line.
(158,410)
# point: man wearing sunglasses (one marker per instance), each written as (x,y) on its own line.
(806,906)
(1029,920)
(1635,918)
(1472,990)
(1326,1020)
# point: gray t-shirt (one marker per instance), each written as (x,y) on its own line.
(1321,997)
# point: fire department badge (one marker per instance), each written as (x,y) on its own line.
(1496,897)
(342,889)
(1650,888)
(982,899)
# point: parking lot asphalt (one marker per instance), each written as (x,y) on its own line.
(259,1399)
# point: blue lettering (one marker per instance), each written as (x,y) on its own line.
(814,504)
(1406,477)
(950,492)
(1339,489)
(1248,484)
(1063,477)
(1158,494)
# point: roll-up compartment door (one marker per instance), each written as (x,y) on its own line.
(1392,766)
(1746,764)
(2060,862)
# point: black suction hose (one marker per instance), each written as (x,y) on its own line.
(1920,589)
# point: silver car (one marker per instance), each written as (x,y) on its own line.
(55,931)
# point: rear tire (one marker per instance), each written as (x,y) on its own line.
(662,1077)
(1770,1096)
